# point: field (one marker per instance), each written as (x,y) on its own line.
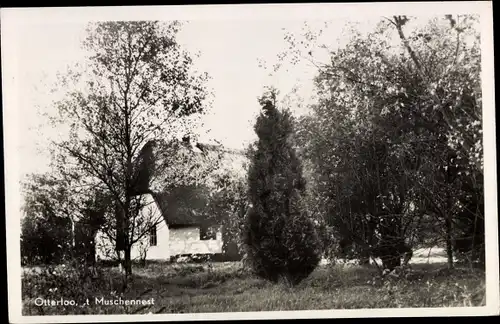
(226,287)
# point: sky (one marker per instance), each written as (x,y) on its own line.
(231,52)
(231,47)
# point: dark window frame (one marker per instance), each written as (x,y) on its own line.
(208,233)
(153,237)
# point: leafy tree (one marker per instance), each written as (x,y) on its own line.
(388,135)
(451,76)
(94,214)
(137,86)
(229,204)
(45,238)
(280,238)
(46,232)
(64,214)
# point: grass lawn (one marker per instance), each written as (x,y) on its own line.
(226,287)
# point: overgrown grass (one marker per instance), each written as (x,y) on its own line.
(226,287)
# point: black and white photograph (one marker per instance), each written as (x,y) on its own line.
(253,161)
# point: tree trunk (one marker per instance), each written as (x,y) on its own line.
(364,258)
(449,242)
(392,260)
(364,261)
(127,262)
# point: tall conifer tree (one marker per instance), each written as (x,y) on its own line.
(281,239)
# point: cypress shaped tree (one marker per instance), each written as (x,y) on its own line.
(281,240)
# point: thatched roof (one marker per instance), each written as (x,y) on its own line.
(182,205)
(185,205)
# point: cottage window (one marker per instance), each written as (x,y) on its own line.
(208,233)
(152,236)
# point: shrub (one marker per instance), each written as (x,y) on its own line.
(45,238)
